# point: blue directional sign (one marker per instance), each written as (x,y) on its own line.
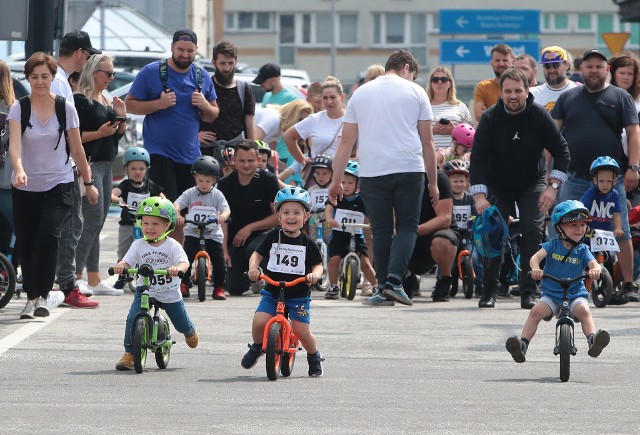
(489,21)
(479,50)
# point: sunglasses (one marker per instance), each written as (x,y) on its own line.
(86,53)
(111,74)
(554,65)
(439,79)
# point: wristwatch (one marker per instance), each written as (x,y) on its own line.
(90,183)
(555,185)
(635,168)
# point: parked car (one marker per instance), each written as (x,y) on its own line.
(21,86)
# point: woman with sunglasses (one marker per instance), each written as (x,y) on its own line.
(448,111)
(102,124)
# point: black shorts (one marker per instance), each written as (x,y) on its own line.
(340,247)
(421,260)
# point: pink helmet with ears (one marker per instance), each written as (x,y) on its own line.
(463,134)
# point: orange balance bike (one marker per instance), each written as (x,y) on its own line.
(201,267)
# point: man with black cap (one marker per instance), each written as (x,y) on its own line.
(175,95)
(592,118)
(269,79)
(75,50)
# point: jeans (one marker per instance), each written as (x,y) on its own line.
(388,199)
(69,237)
(531,222)
(176,312)
(237,283)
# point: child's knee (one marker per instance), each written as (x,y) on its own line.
(581,312)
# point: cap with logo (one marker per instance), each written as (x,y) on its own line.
(594,52)
(266,72)
(553,54)
(78,39)
(185,35)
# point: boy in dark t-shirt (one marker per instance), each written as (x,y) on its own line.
(288,254)
(601,199)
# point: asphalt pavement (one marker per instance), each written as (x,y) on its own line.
(430,368)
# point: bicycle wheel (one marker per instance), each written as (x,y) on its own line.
(454,281)
(565,352)
(141,339)
(202,278)
(289,358)
(351,279)
(467,277)
(7,281)
(274,351)
(602,289)
(164,334)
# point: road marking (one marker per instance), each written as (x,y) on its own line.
(27,330)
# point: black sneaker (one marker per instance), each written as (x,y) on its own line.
(315,364)
(597,342)
(333,292)
(251,358)
(517,348)
(503,292)
(630,290)
(120,282)
(443,288)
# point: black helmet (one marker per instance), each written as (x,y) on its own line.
(322,161)
(206,165)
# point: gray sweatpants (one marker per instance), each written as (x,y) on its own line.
(70,234)
(88,250)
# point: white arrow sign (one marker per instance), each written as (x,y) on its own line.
(461,51)
(461,22)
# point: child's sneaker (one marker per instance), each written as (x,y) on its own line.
(218,294)
(315,364)
(366,289)
(597,342)
(120,282)
(517,348)
(250,358)
(192,340)
(332,293)
(126,362)
(184,289)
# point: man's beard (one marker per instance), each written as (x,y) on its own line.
(594,83)
(223,79)
(555,80)
(182,64)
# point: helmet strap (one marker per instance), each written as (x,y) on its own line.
(564,237)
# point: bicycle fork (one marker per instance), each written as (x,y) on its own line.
(565,321)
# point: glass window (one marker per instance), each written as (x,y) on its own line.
(561,21)
(263,21)
(230,20)
(605,24)
(245,20)
(635,34)
(287,30)
(420,53)
(584,22)
(287,55)
(546,21)
(348,29)
(395,28)
(418,29)
(306,29)
(377,31)
(324,29)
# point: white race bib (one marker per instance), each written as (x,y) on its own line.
(461,215)
(349,217)
(134,200)
(319,198)
(285,258)
(604,241)
(200,213)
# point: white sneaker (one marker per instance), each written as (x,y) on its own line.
(56,297)
(41,309)
(83,287)
(27,311)
(103,289)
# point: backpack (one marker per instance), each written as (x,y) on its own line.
(164,75)
(61,114)
(490,233)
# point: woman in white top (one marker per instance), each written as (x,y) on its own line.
(448,111)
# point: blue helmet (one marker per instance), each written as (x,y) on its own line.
(296,194)
(569,211)
(353,168)
(135,154)
(604,162)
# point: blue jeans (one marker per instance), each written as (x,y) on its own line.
(388,199)
(176,312)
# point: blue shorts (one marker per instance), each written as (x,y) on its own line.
(298,307)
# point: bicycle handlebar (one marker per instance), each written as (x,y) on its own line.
(286,283)
(203,224)
(146,271)
(344,225)
(565,281)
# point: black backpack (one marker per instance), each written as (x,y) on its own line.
(61,114)
(164,75)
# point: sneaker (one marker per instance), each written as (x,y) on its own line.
(631,291)
(257,286)
(184,289)
(126,362)
(83,287)
(192,340)
(315,364)
(597,342)
(378,300)
(41,309)
(443,289)
(55,298)
(27,311)
(120,282)
(75,299)
(218,294)
(103,289)
(517,348)
(503,292)
(332,293)
(366,289)
(250,358)
(397,294)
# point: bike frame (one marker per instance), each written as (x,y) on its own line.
(352,246)
(463,252)
(202,252)
(322,246)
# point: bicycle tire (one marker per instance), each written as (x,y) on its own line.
(323,282)
(565,352)
(454,281)
(467,277)
(163,354)
(201,276)
(141,338)
(274,351)
(289,359)
(602,289)
(7,280)
(352,279)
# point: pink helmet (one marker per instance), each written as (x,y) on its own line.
(463,134)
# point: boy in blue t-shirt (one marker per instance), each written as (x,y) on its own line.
(566,257)
(602,198)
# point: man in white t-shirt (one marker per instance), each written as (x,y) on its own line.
(390,117)
(556,63)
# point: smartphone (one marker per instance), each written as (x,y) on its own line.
(119,119)
(444,121)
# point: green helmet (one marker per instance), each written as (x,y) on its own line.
(159,207)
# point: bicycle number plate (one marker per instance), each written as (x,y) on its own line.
(349,217)
(318,198)
(200,213)
(604,241)
(285,258)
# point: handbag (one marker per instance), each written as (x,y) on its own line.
(306,170)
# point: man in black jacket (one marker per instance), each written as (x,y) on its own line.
(508,164)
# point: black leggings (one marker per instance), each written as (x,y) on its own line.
(38,217)
(174,178)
